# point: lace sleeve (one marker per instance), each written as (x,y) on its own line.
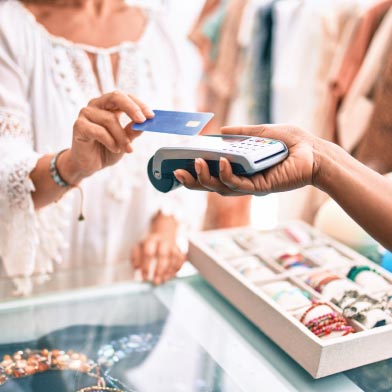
(18,237)
(30,241)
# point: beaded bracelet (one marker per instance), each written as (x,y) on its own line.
(54,173)
(324,282)
(319,280)
(326,323)
(293,260)
(324,319)
(356,270)
(329,323)
(340,328)
(314,305)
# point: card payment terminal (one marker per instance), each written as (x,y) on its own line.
(247,155)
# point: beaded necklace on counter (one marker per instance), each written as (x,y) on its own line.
(30,362)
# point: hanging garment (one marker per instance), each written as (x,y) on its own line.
(355,112)
(239,112)
(206,31)
(258,68)
(376,144)
(220,80)
(306,35)
(348,62)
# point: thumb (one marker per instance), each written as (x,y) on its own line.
(271,131)
(131,133)
(253,130)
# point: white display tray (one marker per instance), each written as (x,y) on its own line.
(320,357)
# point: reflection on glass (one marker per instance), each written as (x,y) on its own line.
(136,343)
(376,377)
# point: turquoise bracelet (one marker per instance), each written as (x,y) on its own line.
(294,290)
(356,270)
(55,173)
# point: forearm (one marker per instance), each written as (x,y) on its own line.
(223,211)
(363,193)
(46,190)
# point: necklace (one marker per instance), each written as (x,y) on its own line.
(117,350)
(29,362)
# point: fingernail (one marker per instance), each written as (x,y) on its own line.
(139,116)
(222,164)
(150,113)
(198,166)
(129,148)
(179,177)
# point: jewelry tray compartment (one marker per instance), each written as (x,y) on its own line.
(221,256)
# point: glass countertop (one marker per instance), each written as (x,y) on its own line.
(183,337)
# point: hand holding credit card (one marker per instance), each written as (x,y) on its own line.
(178,123)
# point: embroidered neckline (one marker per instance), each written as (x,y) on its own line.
(85,47)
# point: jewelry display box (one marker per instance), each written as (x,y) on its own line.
(220,256)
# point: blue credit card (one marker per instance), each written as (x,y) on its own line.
(178,123)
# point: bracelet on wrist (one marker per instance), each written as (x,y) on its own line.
(54,173)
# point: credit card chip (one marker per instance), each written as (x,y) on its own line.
(192,124)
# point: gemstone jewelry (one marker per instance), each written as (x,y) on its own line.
(29,362)
(368,277)
(117,350)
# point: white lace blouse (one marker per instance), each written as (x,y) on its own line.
(44,82)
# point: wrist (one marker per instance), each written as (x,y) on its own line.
(164,225)
(326,155)
(68,170)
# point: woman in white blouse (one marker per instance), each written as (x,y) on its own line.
(57,57)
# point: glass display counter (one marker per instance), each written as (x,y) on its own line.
(179,337)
